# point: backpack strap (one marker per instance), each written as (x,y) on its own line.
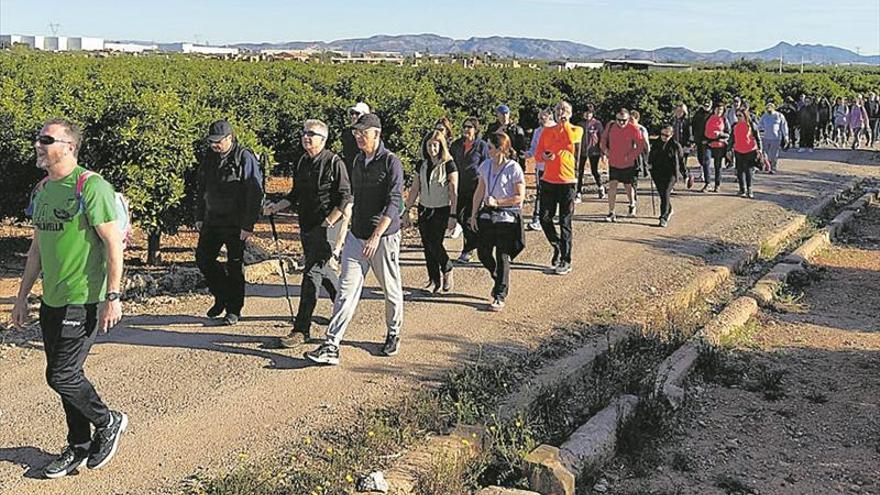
(81,182)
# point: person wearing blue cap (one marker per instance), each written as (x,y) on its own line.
(503,124)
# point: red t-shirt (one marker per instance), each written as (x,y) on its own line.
(743,139)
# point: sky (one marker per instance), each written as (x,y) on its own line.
(701,25)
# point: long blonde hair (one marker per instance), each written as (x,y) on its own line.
(438,136)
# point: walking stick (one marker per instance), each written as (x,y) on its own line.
(281,265)
(653,206)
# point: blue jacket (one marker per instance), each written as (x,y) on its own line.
(468,163)
(230,192)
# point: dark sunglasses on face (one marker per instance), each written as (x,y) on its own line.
(46,139)
(313,134)
(665,135)
(467,126)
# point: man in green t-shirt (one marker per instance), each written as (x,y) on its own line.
(77,247)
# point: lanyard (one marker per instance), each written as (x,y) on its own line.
(497,178)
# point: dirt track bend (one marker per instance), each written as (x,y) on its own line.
(197,393)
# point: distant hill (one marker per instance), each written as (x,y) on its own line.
(541,49)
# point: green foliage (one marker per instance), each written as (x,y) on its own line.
(144,117)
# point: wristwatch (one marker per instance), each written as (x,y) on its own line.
(113,296)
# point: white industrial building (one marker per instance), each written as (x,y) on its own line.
(129,47)
(203,49)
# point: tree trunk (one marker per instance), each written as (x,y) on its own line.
(154,256)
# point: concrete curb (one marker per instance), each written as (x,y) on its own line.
(498,490)
(733,316)
(569,368)
(553,471)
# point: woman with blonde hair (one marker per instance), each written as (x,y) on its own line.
(436,189)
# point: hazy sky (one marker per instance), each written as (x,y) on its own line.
(702,25)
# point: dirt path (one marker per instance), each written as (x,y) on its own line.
(795,407)
(197,394)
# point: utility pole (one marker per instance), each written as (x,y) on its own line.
(780,58)
(55,28)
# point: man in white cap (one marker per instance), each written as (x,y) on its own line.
(349,144)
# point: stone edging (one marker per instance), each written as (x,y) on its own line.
(554,471)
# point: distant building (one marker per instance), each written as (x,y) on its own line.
(129,47)
(85,44)
(560,66)
(203,49)
(369,58)
(644,65)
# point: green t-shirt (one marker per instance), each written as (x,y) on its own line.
(71,252)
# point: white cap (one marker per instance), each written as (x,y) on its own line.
(361,108)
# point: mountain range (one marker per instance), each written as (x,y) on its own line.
(542,49)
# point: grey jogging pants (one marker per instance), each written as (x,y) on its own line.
(386,267)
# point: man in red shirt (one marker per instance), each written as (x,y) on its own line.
(622,143)
(556,149)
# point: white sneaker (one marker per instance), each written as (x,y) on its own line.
(577,199)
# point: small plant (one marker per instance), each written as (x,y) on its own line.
(741,336)
(450,474)
(768,381)
(732,485)
(720,365)
(816,397)
(788,300)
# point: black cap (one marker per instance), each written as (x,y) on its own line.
(367,121)
(219,130)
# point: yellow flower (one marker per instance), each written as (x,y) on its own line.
(371,434)
(492,429)
(349,478)
(308,440)
(518,424)
(465,442)
(329,450)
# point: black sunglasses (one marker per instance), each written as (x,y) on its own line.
(313,134)
(46,139)
(467,126)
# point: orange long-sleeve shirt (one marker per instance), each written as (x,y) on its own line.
(558,140)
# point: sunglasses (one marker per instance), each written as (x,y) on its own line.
(46,139)
(313,134)
(665,135)
(467,126)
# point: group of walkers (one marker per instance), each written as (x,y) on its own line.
(351,211)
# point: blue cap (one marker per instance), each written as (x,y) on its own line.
(503,109)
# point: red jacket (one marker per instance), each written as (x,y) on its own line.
(622,145)
(716,128)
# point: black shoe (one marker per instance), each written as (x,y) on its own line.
(611,218)
(563,268)
(70,459)
(293,339)
(554,261)
(392,345)
(631,212)
(664,222)
(106,440)
(325,354)
(231,319)
(601,192)
(217,309)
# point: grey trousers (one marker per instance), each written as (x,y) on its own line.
(386,267)
(771,149)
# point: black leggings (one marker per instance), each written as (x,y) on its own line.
(664,182)
(495,244)
(594,170)
(432,228)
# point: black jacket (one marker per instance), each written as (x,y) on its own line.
(808,115)
(319,185)
(377,188)
(681,129)
(230,192)
(517,138)
(665,159)
(469,162)
(698,125)
(873,108)
(349,147)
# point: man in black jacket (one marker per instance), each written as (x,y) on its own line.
(372,244)
(808,119)
(228,204)
(320,192)
(349,144)
(516,133)
(698,133)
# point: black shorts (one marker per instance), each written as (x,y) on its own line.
(624,175)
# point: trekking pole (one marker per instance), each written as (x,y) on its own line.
(653,206)
(281,265)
